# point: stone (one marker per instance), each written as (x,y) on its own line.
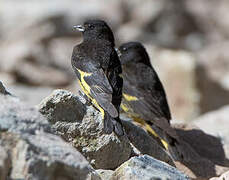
(17,117)
(44,156)
(34,151)
(215,123)
(105,174)
(29,94)
(82,126)
(40,75)
(2,89)
(213,76)
(146,167)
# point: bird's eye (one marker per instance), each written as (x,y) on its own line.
(124,49)
(91,26)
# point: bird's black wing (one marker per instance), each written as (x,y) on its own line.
(143,83)
(100,88)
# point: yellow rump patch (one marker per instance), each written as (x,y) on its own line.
(129,97)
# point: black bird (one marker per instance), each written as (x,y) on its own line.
(97,66)
(144,98)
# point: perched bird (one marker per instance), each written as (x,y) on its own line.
(97,66)
(144,98)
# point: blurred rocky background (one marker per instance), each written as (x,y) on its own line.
(187,41)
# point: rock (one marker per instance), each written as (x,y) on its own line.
(176,70)
(4,163)
(26,137)
(105,174)
(146,167)
(213,76)
(40,75)
(2,89)
(145,144)
(82,126)
(224,176)
(17,117)
(212,25)
(215,123)
(30,94)
(45,152)
(60,50)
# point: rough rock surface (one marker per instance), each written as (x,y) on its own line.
(32,151)
(82,126)
(2,89)
(105,174)
(146,167)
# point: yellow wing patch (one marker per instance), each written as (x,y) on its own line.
(86,89)
(129,97)
(151,131)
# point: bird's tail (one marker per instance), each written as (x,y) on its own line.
(112,124)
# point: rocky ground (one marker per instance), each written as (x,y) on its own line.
(62,138)
(52,134)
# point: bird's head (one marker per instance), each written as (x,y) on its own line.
(133,52)
(96,29)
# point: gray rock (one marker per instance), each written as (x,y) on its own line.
(82,126)
(105,174)
(40,75)
(2,89)
(144,144)
(146,167)
(34,152)
(29,94)
(17,117)
(44,157)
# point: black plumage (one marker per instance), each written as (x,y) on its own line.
(97,67)
(144,98)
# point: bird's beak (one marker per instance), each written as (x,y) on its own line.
(79,28)
(118,52)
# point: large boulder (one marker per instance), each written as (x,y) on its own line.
(82,126)
(29,150)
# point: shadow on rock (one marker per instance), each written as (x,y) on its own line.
(207,153)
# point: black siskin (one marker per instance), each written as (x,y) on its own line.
(144,98)
(97,67)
